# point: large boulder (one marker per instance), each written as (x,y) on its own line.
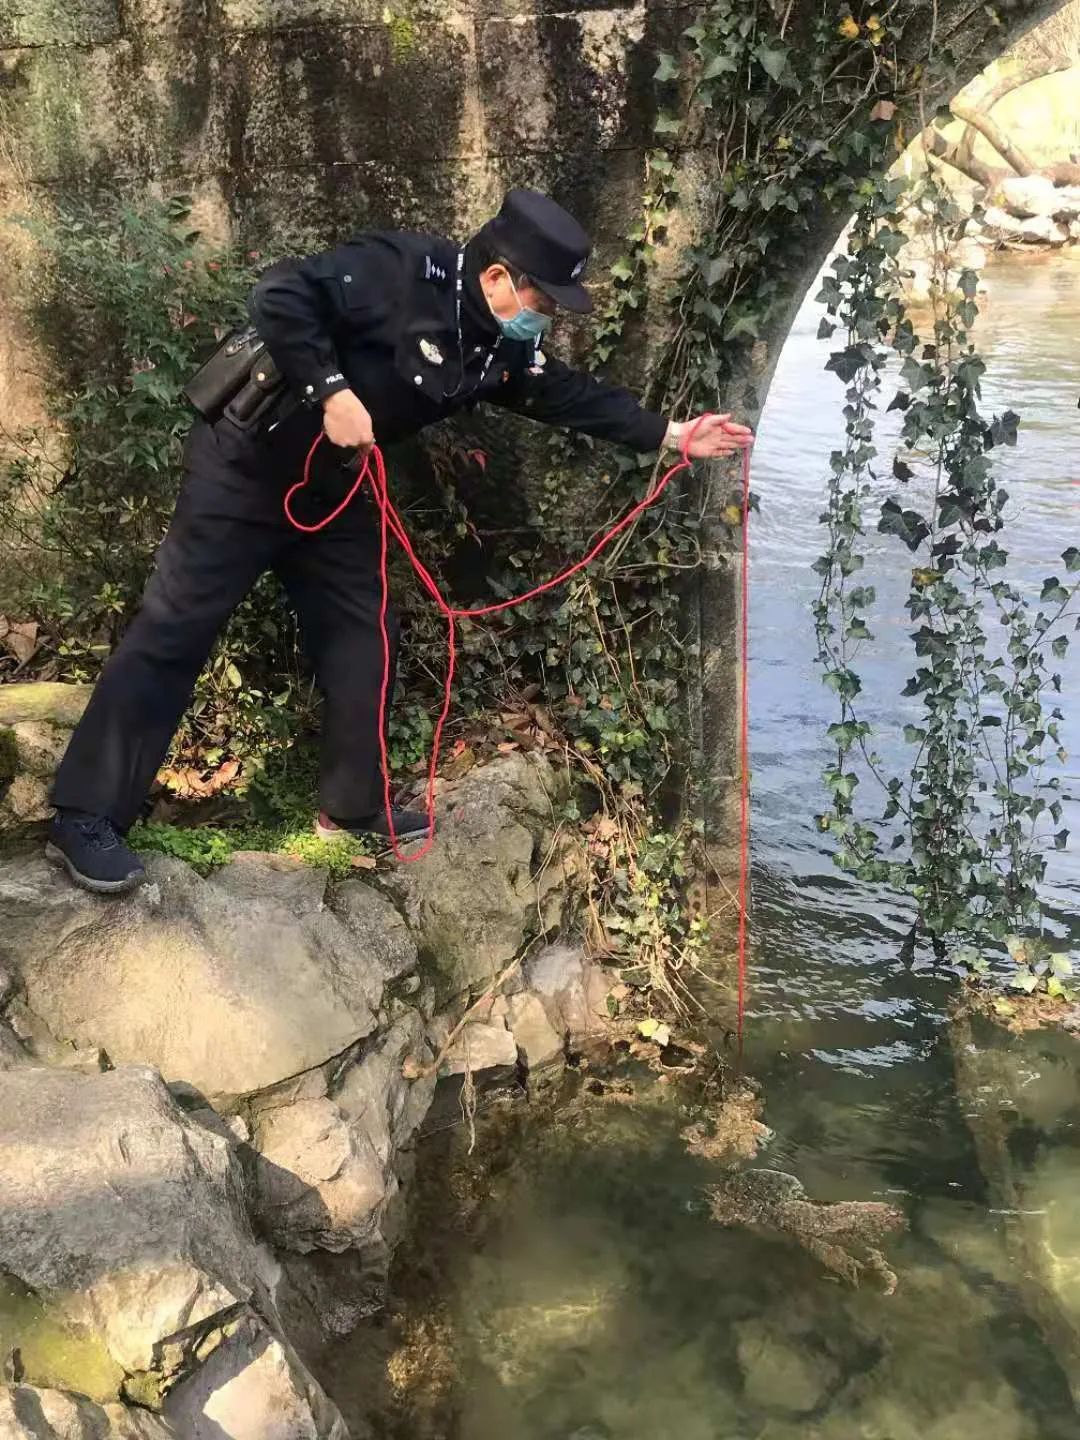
(331,1155)
(252,1387)
(125,1220)
(36,721)
(27,1413)
(1037,195)
(1042,230)
(495,875)
(229,984)
(12,1051)
(125,1217)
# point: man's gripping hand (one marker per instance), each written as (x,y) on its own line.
(716,435)
(347,422)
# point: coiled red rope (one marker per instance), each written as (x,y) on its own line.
(374,471)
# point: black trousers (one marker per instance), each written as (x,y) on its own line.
(228,529)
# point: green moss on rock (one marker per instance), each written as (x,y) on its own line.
(43,700)
(54,1355)
(58,22)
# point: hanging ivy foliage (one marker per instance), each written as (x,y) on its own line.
(964,831)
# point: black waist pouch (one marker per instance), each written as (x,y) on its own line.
(239,382)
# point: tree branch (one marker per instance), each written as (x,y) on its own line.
(952,155)
(992,131)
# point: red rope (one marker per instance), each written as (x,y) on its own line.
(374,470)
(744,745)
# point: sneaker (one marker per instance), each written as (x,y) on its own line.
(92,850)
(408,825)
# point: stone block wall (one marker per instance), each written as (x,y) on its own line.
(335,114)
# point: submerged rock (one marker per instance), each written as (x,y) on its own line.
(843,1235)
(1021,1100)
(778,1374)
(12,1050)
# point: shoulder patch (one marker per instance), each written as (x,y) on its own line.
(434,271)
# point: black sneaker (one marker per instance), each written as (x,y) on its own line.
(92,850)
(408,825)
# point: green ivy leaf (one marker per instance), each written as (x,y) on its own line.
(914,375)
(773,62)
(716,269)
(668,68)
(721,64)
(1053,592)
(907,525)
(845,682)
(847,363)
(741,325)
(1072,558)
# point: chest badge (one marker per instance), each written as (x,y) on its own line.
(539,361)
(431,352)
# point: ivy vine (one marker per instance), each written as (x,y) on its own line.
(964,831)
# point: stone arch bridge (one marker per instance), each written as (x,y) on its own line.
(334,114)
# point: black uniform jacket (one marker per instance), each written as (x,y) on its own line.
(378,315)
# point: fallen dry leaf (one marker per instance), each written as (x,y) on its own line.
(224,775)
(460,763)
(883,110)
(19,638)
(363,862)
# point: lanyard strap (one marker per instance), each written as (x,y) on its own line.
(489,359)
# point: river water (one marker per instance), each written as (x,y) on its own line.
(589,1297)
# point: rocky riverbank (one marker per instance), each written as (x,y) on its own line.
(1024,213)
(212,1090)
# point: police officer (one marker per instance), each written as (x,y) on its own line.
(376,339)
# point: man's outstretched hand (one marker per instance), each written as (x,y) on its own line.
(716,435)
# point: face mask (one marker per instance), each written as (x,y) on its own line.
(526,324)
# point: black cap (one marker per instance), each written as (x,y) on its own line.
(545,240)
